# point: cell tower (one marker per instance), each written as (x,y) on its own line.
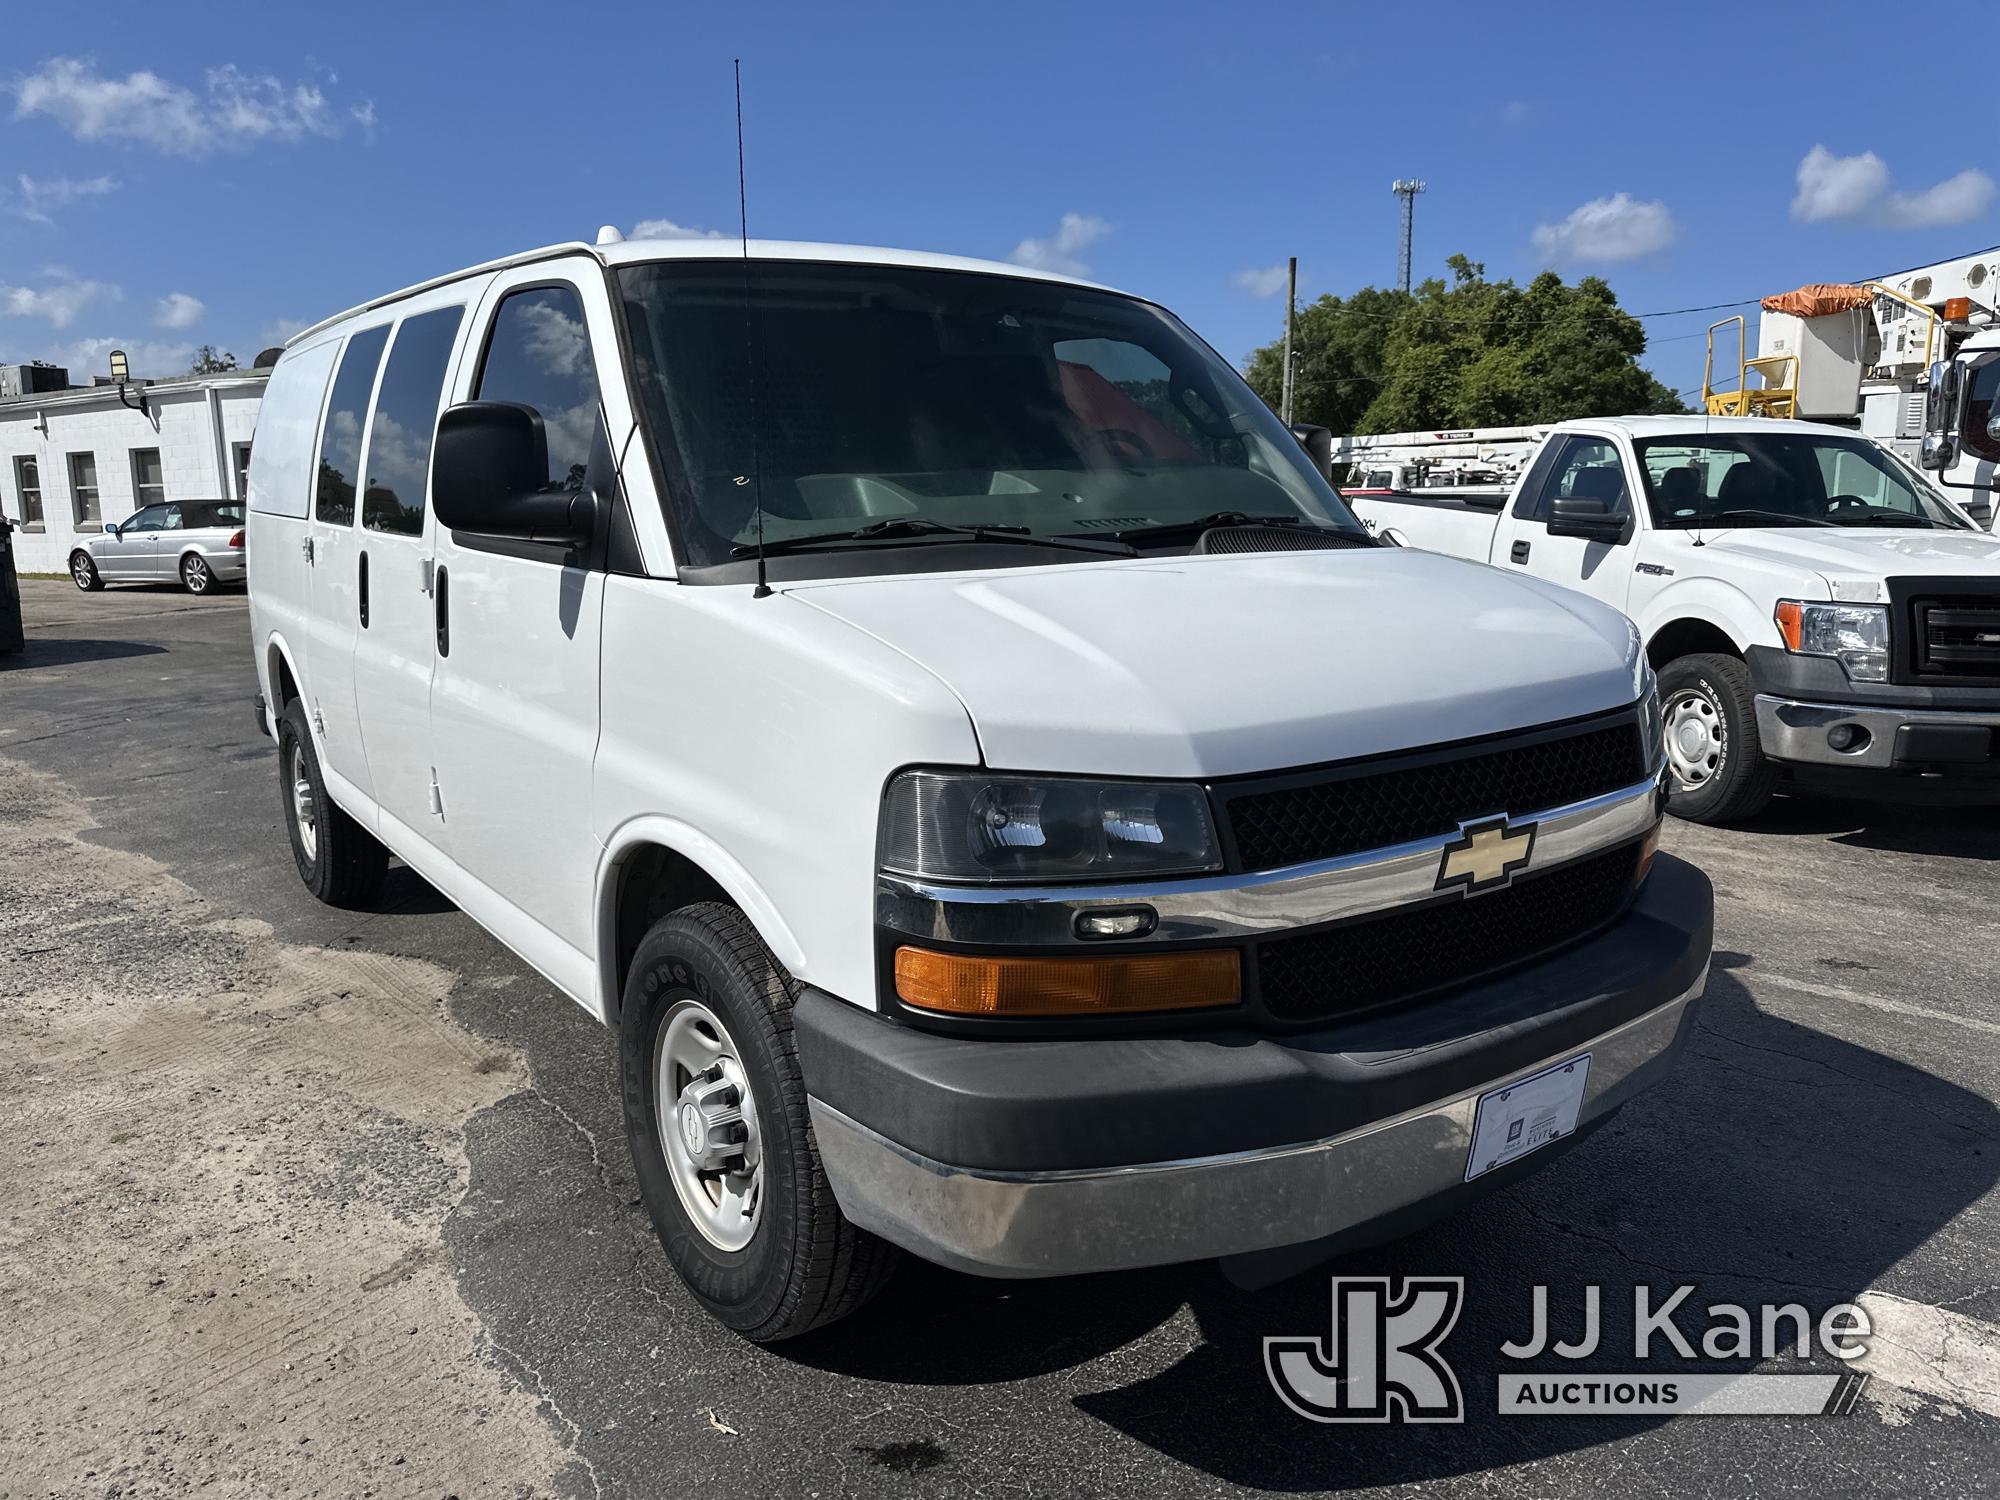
(1406,188)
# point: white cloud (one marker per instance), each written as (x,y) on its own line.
(177,310)
(1262,281)
(280,330)
(1062,251)
(59,301)
(1605,229)
(233,108)
(37,195)
(667,229)
(1857,189)
(1515,112)
(84,358)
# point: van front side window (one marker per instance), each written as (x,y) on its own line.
(539,356)
(340,438)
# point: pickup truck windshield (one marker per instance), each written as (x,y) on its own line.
(1765,478)
(893,394)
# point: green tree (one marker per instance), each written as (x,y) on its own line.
(209,360)
(1468,353)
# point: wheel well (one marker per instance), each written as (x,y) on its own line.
(282,687)
(652,880)
(1686,638)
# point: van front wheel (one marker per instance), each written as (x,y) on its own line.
(715,1114)
(339,860)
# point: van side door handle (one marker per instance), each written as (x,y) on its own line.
(364,591)
(441,594)
(1518,552)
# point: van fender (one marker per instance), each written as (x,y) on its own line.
(275,643)
(713,860)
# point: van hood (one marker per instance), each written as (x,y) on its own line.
(1857,552)
(1221,665)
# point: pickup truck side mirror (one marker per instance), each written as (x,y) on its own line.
(1587,517)
(490,474)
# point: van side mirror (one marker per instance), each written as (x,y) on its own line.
(490,474)
(1318,443)
(1587,517)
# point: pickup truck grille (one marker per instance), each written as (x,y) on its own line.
(1294,819)
(1361,965)
(1956,636)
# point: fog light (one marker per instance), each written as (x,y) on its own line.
(1116,922)
(1845,737)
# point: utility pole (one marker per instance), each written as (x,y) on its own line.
(1406,188)
(1291,303)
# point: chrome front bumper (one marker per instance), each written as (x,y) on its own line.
(1052,1223)
(1794,731)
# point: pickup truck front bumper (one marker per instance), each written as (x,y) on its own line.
(1051,1157)
(1810,715)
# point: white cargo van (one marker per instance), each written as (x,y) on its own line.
(1006,804)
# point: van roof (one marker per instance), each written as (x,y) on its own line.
(707,247)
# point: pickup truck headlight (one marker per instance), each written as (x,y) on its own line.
(975,826)
(1855,635)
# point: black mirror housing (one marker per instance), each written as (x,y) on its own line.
(1318,443)
(1586,517)
(490,472)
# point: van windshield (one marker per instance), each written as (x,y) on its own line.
(908,396)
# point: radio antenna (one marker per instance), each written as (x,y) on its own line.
(763,589)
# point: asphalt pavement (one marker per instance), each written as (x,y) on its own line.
(1830,1135)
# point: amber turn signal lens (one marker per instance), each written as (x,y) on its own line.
(975,985)
(1648,848)
(1790,618)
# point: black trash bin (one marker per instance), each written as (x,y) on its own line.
(11,637)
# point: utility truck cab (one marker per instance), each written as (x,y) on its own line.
(1814,606)
(1006,804)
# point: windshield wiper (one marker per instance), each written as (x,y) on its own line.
(922,528)
(1167,531)
(1924,521)
(1781,517)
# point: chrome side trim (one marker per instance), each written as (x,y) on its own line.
(1066,1222)
(1794,731)
(1225,907)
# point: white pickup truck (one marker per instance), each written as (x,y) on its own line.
(1811,603)
(947,735)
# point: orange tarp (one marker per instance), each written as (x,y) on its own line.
(1819,299)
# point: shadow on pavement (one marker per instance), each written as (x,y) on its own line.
(1790,1146)
(1964,832)
(49,653)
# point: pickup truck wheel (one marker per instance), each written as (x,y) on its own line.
(339,860)
(715,1114)
(1721,774)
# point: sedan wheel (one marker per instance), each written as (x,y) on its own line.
(195,574)
(83,572)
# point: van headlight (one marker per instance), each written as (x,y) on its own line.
(1855,635)
(1652,720)
(976,826)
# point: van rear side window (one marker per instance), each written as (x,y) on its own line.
(340,438)
(406,411)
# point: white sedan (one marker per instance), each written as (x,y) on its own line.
(198,542)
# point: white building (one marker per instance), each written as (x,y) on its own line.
(71,460)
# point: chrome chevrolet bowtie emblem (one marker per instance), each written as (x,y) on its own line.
(1485,855)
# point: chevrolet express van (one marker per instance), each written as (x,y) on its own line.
(1008,807)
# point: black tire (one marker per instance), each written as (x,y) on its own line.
(1741,777)
(83,572)
(196,576)
(341,862)
(804,1264)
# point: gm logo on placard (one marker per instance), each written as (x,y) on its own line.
(1379,1362)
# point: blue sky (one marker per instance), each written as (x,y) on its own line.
(172,175)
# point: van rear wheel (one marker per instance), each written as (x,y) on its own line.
(339,860)
(715,1114)
(1721,774)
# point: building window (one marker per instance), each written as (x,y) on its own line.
(28,480)
(242,452)
(83,491)
(149,484)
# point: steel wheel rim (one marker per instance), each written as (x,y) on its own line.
(707,1125)
(1697,738)
(304,814)
(80,571)
(195,571)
